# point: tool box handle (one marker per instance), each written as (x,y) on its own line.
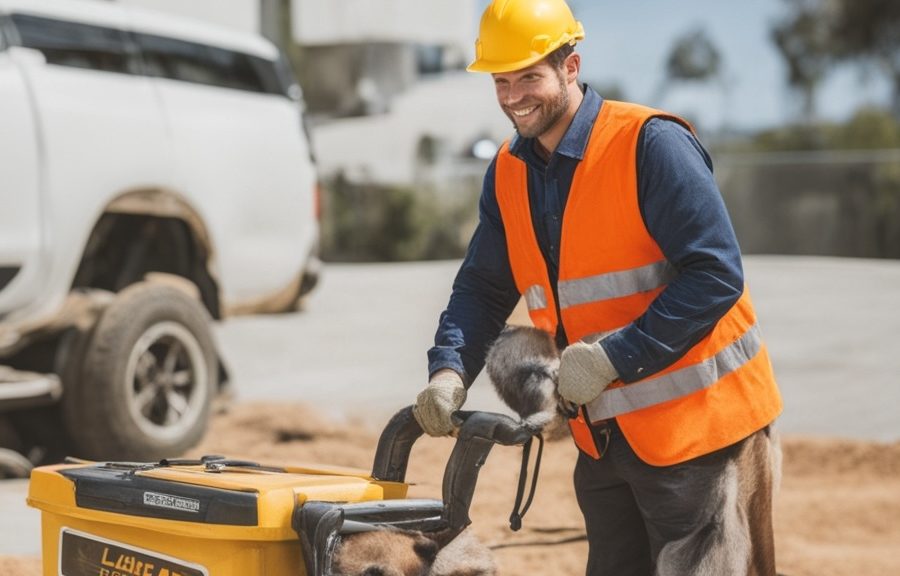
(394,446)
(402,431)
(477,434)
(476,437)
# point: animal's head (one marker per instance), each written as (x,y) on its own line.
(384,553)
(407,553)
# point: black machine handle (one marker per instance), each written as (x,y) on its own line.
(477,435)
(394,445)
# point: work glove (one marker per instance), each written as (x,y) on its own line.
(444,395)
(584,372)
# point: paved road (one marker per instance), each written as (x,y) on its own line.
(832,327)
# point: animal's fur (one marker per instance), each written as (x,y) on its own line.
(390,552)
(523,365)
(464,555)
(740,539)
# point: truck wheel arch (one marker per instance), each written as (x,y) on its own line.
(156,218)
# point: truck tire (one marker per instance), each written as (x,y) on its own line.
(147,378)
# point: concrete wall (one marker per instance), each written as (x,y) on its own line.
(834,203)
(355,79)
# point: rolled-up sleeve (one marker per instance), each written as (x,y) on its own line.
(484,294)
(685,214)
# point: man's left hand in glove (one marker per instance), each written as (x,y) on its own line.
(584,372)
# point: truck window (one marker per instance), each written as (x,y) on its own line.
(287,82)
(2,33)
(202,64)
(74,44)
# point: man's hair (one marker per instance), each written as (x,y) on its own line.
(558,56)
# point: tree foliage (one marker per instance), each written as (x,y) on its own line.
(868,29)
(803,41)
(868,129)
(817,35)
(378,223)
(694,57)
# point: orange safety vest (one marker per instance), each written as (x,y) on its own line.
(720,391)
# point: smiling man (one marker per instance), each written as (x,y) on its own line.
(606,218)
(542,99)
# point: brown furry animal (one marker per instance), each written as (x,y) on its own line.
(523,365)
(741,541)
(406,553)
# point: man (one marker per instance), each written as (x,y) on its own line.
(605,216)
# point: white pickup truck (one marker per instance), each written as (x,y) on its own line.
(154,174)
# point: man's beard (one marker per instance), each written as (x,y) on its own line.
(550,110)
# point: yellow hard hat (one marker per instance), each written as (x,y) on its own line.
(514,34)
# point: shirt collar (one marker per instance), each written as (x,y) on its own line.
(574,141)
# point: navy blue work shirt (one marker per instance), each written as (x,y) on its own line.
(683,211)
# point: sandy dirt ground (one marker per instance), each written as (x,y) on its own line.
(837,511)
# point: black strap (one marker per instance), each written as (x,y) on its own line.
(515,519)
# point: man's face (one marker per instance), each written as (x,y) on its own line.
(534,98)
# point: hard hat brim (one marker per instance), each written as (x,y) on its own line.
(490,67)
(500,67)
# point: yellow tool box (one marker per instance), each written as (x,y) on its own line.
(216,516)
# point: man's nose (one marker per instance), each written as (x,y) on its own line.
(514,94)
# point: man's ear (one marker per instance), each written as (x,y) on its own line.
(572,66)
(425,548)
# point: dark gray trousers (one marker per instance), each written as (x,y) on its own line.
(710,516)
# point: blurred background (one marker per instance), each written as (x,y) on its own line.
(797,100)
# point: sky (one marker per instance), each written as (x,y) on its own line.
(627,43)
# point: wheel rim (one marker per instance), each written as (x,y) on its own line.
(166,381)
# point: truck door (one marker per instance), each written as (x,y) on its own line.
(20,234)
(101,130)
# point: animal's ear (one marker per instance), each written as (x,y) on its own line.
(426,548)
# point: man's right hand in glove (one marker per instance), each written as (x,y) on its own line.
(444,395)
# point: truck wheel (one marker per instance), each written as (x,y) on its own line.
(147,380)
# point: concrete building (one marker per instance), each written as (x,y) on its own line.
(389,100)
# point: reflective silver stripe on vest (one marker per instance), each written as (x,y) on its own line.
(615,284)
(535,298)
(676,384)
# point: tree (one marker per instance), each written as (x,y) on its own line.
(693,58)
(817,35)
(870,30)
(803,39)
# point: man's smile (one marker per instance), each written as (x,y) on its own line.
(524,111)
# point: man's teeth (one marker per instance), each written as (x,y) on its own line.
(524,112)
